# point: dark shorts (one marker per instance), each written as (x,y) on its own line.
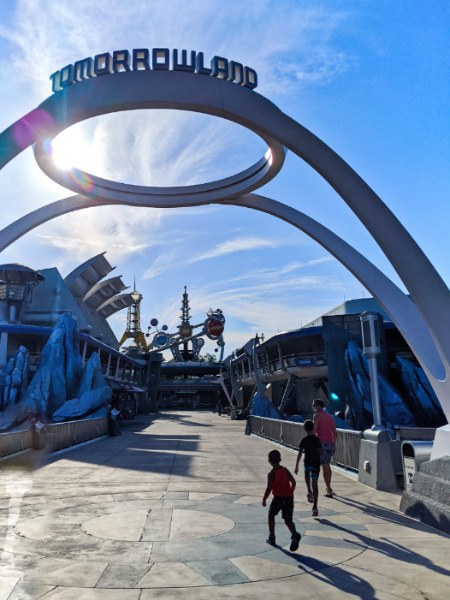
(283,503)
(326,453)
(314,471)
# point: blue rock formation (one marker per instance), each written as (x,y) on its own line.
(92,394)
(92,378)
(262,407)
(88,402)
(419,395)
(60,368)
(394,411)
(14,413)
(14,378)
(61,390)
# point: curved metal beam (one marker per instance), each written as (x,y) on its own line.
(41,215)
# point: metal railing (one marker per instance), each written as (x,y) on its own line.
(415,433)
(17,441)
(289,434)
(63,435)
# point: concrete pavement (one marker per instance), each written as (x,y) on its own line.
(172,509)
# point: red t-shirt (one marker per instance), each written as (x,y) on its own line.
(282,485)
(325,428)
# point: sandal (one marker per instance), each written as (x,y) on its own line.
(329,493)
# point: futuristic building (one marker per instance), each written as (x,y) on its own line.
(324,360)
(31,303)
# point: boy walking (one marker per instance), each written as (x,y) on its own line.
(310,446)
(325,430)
(282,485)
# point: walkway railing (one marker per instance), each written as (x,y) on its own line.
(17,441)
(53,437)
(289,434)
(63,435)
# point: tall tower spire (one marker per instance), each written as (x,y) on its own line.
(185,327)
(185,315)
(133,329)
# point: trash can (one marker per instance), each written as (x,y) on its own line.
(233,414)
(413,455)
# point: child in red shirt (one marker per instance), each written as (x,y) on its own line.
(282,485)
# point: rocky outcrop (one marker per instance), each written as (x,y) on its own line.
(262,407)
(394,411)
(14,378)
(60,370)
(93,393)
(419,394)
(61,390)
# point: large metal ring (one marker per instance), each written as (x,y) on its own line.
(89,185)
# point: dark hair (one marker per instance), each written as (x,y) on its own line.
(309,425)
(275,456)
(319,402)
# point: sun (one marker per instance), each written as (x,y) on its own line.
(70,149)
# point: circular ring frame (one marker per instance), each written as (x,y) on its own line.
(89,185)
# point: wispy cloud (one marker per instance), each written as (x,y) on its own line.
(238,244)
(122,231)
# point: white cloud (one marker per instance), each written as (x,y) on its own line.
(237,245)
(122,231)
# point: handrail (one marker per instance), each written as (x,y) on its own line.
(15,441)
(63,435)
(290,433)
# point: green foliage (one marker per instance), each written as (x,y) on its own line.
(209,358)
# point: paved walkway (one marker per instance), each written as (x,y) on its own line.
(172,509)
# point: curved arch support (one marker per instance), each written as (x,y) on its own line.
(398,306)
(41,215)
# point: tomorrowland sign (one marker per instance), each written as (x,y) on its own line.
(157,59)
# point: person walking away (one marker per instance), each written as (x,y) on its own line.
(282,485)
(325,430)
(310,446)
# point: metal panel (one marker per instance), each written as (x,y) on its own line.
(104,291)
(84,277)
(17,441)
(64,435)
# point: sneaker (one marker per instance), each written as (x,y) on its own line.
(315,512)
(310,497)
(296,537)
(271,540)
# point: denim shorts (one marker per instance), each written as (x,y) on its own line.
(314,471)
(283,503)
(326,453)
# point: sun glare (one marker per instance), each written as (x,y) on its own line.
(70,149)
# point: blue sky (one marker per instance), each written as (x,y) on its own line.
(370,78)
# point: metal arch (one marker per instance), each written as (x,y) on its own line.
(398,305)
(89,185)
(184,91)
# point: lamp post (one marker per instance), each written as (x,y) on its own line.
(372,349)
